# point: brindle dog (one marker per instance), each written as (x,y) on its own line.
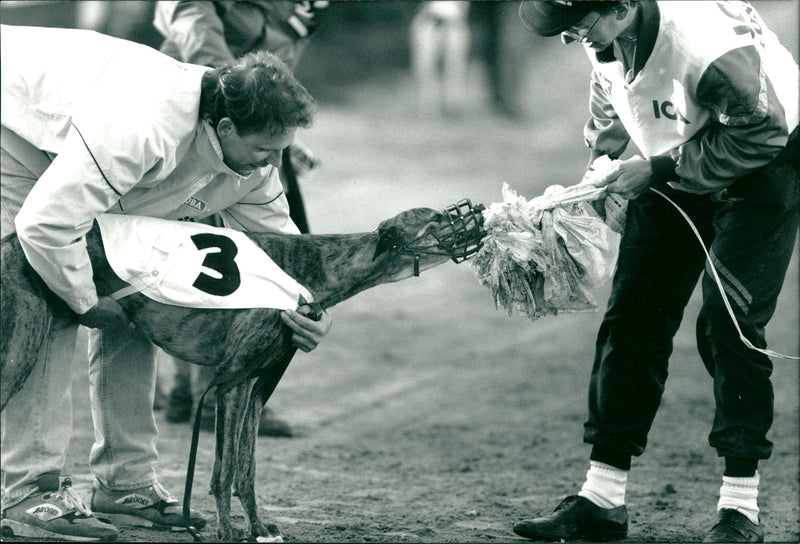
(250,341)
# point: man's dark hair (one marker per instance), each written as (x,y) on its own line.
(257,92)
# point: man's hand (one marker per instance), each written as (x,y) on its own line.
(106,313)
(308,333)
(628,178)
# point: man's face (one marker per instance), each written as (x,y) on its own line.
(597,30)
(245,154)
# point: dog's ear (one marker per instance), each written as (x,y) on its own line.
(388,238)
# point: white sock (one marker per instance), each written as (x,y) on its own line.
(740,494)
(605,485)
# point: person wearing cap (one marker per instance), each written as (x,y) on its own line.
(103,125)
(710,98)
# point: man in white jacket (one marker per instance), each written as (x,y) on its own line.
(101,125)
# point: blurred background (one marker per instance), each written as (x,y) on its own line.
(361,41)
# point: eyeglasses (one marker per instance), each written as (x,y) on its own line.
(573,34)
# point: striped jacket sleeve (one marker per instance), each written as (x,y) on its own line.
(748,129)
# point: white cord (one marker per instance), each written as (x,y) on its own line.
(719,285)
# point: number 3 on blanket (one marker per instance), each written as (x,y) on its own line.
(221,262)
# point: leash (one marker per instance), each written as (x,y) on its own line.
(722,293)
(224,383)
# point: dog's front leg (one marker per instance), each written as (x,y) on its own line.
(246,473)
(231,408)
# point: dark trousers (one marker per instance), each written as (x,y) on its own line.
(751,230)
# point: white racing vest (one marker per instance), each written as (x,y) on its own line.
(196,265)
(659,108)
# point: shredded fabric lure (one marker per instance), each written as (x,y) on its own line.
(547,255)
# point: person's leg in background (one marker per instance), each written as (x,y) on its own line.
(269,424)
(425,50)
(174,378)
(455,57)
(291,187)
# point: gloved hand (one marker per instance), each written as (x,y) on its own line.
(106,313)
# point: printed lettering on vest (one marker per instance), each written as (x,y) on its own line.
(745,14)
(668,110)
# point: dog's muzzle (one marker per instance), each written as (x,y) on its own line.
(459,240)
(462,238)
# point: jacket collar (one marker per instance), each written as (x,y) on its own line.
(649,21)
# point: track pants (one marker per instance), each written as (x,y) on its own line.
(750,229)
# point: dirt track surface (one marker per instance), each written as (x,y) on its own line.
(429,416)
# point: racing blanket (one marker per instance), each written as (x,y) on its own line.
(195,265)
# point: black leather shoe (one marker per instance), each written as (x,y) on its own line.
(733,526)
(577,518)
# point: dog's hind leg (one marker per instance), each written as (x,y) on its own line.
(246,473)
(26,320)
(231,409)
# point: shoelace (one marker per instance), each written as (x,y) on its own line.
(734,519)
(72,499)
(566,502)
(163,494)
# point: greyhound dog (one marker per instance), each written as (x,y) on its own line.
(250,348)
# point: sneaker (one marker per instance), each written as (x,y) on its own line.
(733,526)
(577,518)
(55,511)
(151,507)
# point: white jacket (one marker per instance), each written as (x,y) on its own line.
(123,120)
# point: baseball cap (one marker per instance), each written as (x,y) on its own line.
(552,17)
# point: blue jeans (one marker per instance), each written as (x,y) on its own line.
(37,423)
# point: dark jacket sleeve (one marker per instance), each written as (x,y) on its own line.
(193,32)
(747,131)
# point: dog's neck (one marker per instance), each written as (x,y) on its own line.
(334,267)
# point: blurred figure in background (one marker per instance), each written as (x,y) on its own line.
(440,41)
(504,47)
(213,33)
(129,20)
